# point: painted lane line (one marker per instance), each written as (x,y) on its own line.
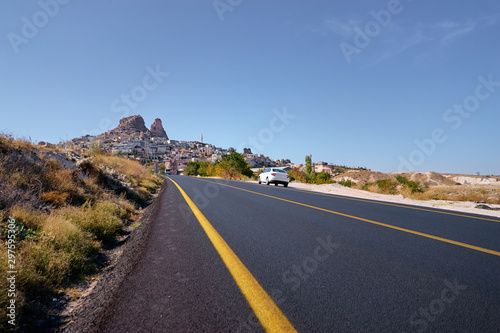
(268,313)
(392,204)
(441,239)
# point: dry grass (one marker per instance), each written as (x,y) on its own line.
(59,253)
(62,216)
(8,141)
(478,193)
(130,168)
(104,219)
(145,182)
(31,219)
(423,186)
(470,193)
(56,198)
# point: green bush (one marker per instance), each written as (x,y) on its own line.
(346,183)
(234,165)
(296,174)
(387,185)
(414,186)
(101,219)
(321,178)
(192,168)
(203,169)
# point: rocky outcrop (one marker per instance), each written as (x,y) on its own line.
(130,125)
(134,125)
(157,129)
(474,180)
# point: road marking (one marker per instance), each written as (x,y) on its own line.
(473,247)
(392,204)
(270,316)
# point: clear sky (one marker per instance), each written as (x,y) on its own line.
(388,85)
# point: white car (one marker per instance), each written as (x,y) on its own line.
(274,176)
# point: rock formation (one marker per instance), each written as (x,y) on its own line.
(157,129)
(130,125)
(134,125)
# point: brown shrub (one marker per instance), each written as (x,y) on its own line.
(56,198)
(31,219)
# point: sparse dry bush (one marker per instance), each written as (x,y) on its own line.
(63,215)
(31,219)
(124,166)
(8,142)
(56,198)
(101,219)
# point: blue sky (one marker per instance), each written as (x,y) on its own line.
(389,85)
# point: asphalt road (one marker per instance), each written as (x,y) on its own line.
(331,264)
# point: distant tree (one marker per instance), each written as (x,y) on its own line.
(233,165)
(192,168)
(296,174)
(322,178)
(309,169)
(204,169)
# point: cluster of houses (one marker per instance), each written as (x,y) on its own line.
(175,154)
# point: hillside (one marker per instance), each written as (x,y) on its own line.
(60,211)
(426,178)
(427,185)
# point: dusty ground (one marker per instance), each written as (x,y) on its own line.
(460,206)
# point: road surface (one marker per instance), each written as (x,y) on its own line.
(325,263)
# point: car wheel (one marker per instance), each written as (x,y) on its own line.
(267,181)
(259,181)
(275,184)
(286,185)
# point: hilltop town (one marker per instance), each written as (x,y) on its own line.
(132,139)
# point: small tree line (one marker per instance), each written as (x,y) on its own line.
(309,176)
(232,166)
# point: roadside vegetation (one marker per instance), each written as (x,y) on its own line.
(400,185)
(232,167)
(436,187)
(62,213)
(309,176)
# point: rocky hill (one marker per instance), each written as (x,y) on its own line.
(135,125)
(157,129)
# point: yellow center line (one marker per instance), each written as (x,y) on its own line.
(268,313)
(473,247)
(392,204)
